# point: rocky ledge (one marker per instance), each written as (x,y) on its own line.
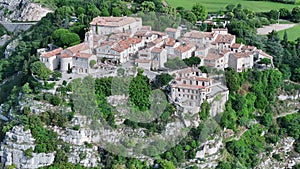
(21,10)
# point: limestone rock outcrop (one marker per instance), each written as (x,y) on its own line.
(21,10)
(16,142)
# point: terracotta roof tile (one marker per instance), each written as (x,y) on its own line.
(133,40)
(79,47)
(194,35)
(157,50)
(65,55)
(236,45)
(113,21)
(213,56)
(171,42)
(265,54)
(51,53)
(228,38)
(242,54)
(171,30)
(83,55)
(184,48)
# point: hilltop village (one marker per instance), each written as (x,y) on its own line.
(124,95)
(117,40)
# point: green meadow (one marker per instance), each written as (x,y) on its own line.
(292,33)
(217,5)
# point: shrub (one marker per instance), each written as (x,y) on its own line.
(55,100)
(29,152)
(76,127)
(92,63)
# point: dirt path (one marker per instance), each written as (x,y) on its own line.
(278,27)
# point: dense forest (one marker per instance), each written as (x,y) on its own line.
(252,93)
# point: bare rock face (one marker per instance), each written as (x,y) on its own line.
(15,143)
(21,10)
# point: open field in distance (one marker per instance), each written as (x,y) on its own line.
(217,5)
(292,33)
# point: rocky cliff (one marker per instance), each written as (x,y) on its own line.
(13,148)
(21,10)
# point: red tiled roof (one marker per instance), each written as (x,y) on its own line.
(213,56)
(157,41)
(133,40)
(65,55)
(249,47)
(78,48)
(113,21)
(158,33)
(208,34)
(51,53)
(236,45)
(265,54)
(242,54)
(219,29)
(83,55)
(142,33)
(184,48)
(228,38)
(170,30)
(156,50)
(194,34)
(171,42)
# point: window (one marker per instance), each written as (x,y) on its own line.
(191,82)
(184,82)
(178,89)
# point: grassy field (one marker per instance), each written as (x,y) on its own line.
(217,5)
(292,33)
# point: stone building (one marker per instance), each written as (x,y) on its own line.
(241,61)
(107,25)
(173,33)
(50,58)
(191,87)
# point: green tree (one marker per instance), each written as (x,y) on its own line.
(148,6)
(116,12)
(104,12)
(38,68)
(205,109)
(200,11)
(296,14)
(165,164)
(163,79)
(26,88)
(191,17)
(285,39)
(139,91)
(192,61)
(62,37)
(56,74)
